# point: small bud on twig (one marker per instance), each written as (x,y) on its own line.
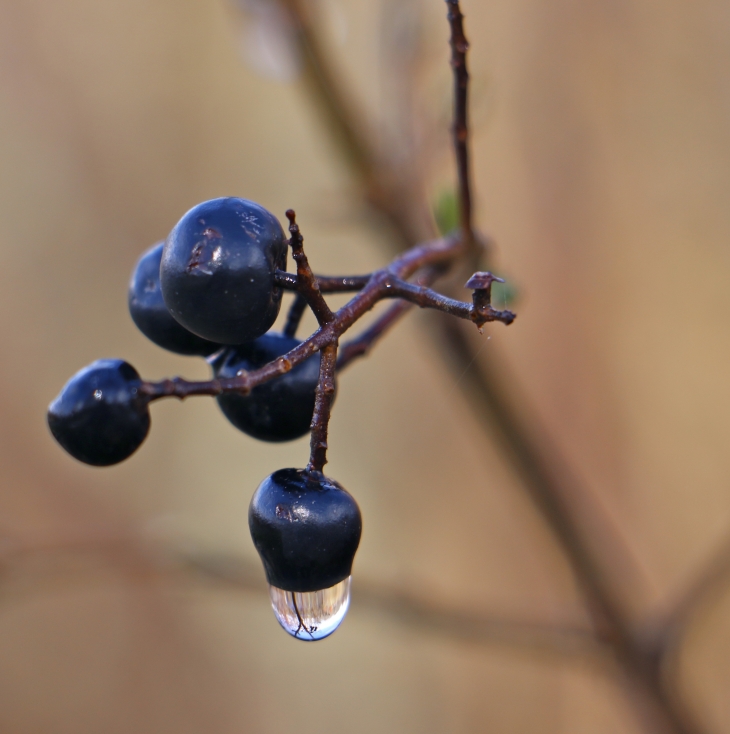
(481,284)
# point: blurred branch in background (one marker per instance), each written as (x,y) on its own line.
(26,571)
(409,610)
(664,632)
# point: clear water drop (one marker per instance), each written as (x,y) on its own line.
(311,615)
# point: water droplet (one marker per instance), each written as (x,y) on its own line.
(98,394)
(311,615)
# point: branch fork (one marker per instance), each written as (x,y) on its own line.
(423,263)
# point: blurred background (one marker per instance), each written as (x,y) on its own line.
(601,170)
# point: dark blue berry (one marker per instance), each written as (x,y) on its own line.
(278,410)
(150,314)
(306,529)
(99,417)
(218,267)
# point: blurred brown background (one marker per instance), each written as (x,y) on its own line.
(602,169)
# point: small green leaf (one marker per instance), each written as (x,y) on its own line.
(446,211)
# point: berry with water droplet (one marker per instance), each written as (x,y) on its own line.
(311,615)
(150,314)
(306,529)
(218,270)
(99,417)
(278,410)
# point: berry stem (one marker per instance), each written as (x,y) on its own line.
(308,285)
(361,345)
(327,283)
(323,408)
(460,128)
(424,297)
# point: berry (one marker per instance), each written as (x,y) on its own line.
(99,416)
(150,314)
(306,529)
(278,410)
(218,267)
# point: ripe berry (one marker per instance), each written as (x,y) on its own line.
(150,314)
(278,410)
(218,267)
(99,416)
(306,529)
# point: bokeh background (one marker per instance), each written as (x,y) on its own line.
(602,170)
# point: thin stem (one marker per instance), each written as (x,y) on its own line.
(362,344)
(460,128)
(327,283)
(424,297)
(666,629)
(293,319)
(307,280)
(325,395)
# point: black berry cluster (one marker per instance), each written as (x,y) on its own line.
(211,290)
(214,289)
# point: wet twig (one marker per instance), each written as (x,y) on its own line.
(325,396)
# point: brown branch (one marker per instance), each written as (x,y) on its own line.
(363,343)
(664,632)
(325,395)
(460,128)
(382,284)
(478,312)
(308,285)
(327,283)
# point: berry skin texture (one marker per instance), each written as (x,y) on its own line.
(306,528)
(98,417)
(150,314)
(278,410)
(217,270)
